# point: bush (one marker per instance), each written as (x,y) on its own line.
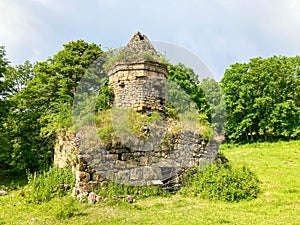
(49,184)
(222,182)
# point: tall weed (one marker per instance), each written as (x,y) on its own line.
(46,185)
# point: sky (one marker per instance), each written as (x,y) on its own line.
(218,32)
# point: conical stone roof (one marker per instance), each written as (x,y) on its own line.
(139,44)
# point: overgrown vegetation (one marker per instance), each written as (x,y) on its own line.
(49,184)
(222,182)
(127,121)
(69,210)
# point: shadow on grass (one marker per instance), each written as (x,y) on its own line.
(12,179)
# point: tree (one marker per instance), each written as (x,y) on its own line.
(3,85)
(42,97)
(216,102)
(261,98)
(17,77)
(4,141)
(187,79)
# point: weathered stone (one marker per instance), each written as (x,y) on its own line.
(98,199)
(136,174)
(2,192)
(82,187)
(90,169)
(92,198)
(75,192)
(131,163)
(123,176)
(120,164)
(82,196)
(97,176)
(144,161)
(79,197)
(82,176)
(81,166)
(130,199)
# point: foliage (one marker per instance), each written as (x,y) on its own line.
(49,184)
(39,100)
(188,102)
(4,112)
(187,79)
(262,99)
(57,80)
(104,126)
(127,121)
(105,97)
(17,77)
(214,96)
(223,182)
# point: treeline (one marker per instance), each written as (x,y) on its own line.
(262,100)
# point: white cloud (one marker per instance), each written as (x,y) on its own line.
(220,32)
(14,22)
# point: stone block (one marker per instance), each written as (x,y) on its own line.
(144,161)
(82,187)
(81,166)
(122,176)
(92,198)
(131,163)
(82,176)
(136,174)
(120,164)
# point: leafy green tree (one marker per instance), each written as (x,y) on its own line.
(4,141)
(42,102)
(187,79)
(261,98)
(105,96)
(214,96)
(17,77)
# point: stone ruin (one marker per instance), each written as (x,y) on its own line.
(160,159)
(138,83)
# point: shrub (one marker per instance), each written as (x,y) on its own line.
(222,182)
(49,184)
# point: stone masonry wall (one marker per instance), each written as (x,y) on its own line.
(141,86)
(64,149)
(96,163)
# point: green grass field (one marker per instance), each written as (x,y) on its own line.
(276,164)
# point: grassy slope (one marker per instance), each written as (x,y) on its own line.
(277,165)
